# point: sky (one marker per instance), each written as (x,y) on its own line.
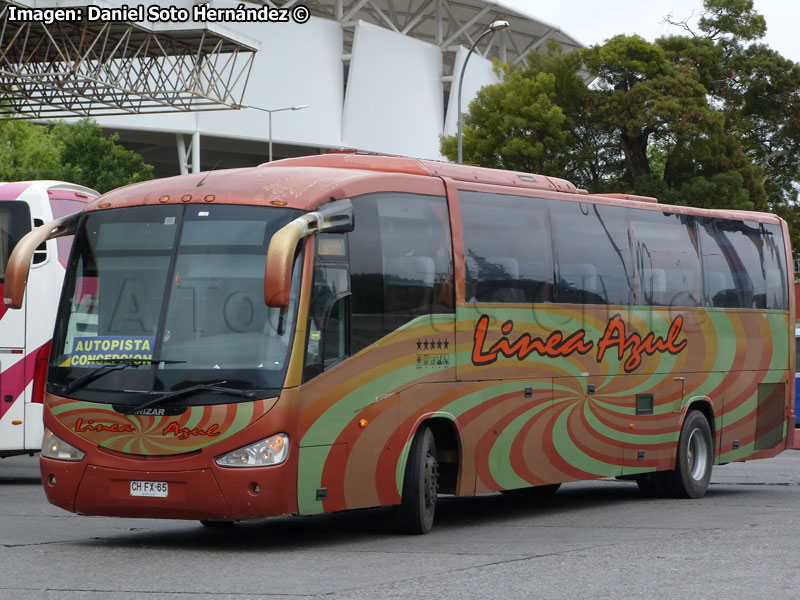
(594,21)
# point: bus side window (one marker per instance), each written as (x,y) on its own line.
(738,258)
(62,207)
(592,244)
(667,259)
(328,338)
(401,263)
(775,268)
(40,254)
(15,222)
(507,250)
(719,287)
(408,283)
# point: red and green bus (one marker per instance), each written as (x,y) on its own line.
(347,331)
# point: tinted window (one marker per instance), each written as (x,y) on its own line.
(327,341)
(126,236)
(668,259)
(15,222)
(743,264)
(61,208)
(40,254)
(223,233)
(775,267)
(172,295)
(507,250)
(400,262)
(593,253)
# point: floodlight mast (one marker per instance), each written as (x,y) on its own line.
(495,26)
(269,111)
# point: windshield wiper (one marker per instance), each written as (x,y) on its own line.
(214,387)
(112,365)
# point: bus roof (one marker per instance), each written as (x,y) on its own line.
(307,182)
(61,189)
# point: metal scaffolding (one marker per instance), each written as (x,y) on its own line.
(83,68)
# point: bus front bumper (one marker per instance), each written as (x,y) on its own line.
(192,491)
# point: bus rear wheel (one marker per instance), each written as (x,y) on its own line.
(420,484)
(692,472)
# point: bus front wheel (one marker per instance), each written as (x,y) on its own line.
(420,484)
(692,472)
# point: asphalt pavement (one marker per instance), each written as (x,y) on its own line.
(597,539)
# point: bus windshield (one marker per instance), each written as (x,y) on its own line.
(171,296)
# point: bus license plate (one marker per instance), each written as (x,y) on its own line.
(150,489)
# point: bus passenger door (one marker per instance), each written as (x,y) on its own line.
(15,221)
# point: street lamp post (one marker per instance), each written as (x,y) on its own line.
(269,111)
(496,26)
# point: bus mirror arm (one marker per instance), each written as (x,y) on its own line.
(334,217)
(19,263)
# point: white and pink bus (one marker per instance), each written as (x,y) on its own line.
(25,334)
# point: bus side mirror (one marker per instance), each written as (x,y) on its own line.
(334,217)
(19,263)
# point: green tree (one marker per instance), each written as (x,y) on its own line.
(27,152)
(758,93)
(710,118)
(590,154)
(731,20)
(96,161)
(513,125)
(78,153)
(646,101)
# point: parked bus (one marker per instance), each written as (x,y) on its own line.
(25,334)
(797,355)
(347,331)
(797,375)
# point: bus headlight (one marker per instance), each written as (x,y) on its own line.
(56,448)
(271,451)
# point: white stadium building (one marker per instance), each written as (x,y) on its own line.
(373,75)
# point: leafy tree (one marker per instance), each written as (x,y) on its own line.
(731,19)
(78,153)
(590,154)
(27,152)
(514,125)
(96,161)
(710,118)
(537,119)
(643,96)
(758,93)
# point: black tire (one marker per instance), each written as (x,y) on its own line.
(651,485)
(695,457)
(420,484)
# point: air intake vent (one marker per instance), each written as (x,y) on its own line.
(770,415)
